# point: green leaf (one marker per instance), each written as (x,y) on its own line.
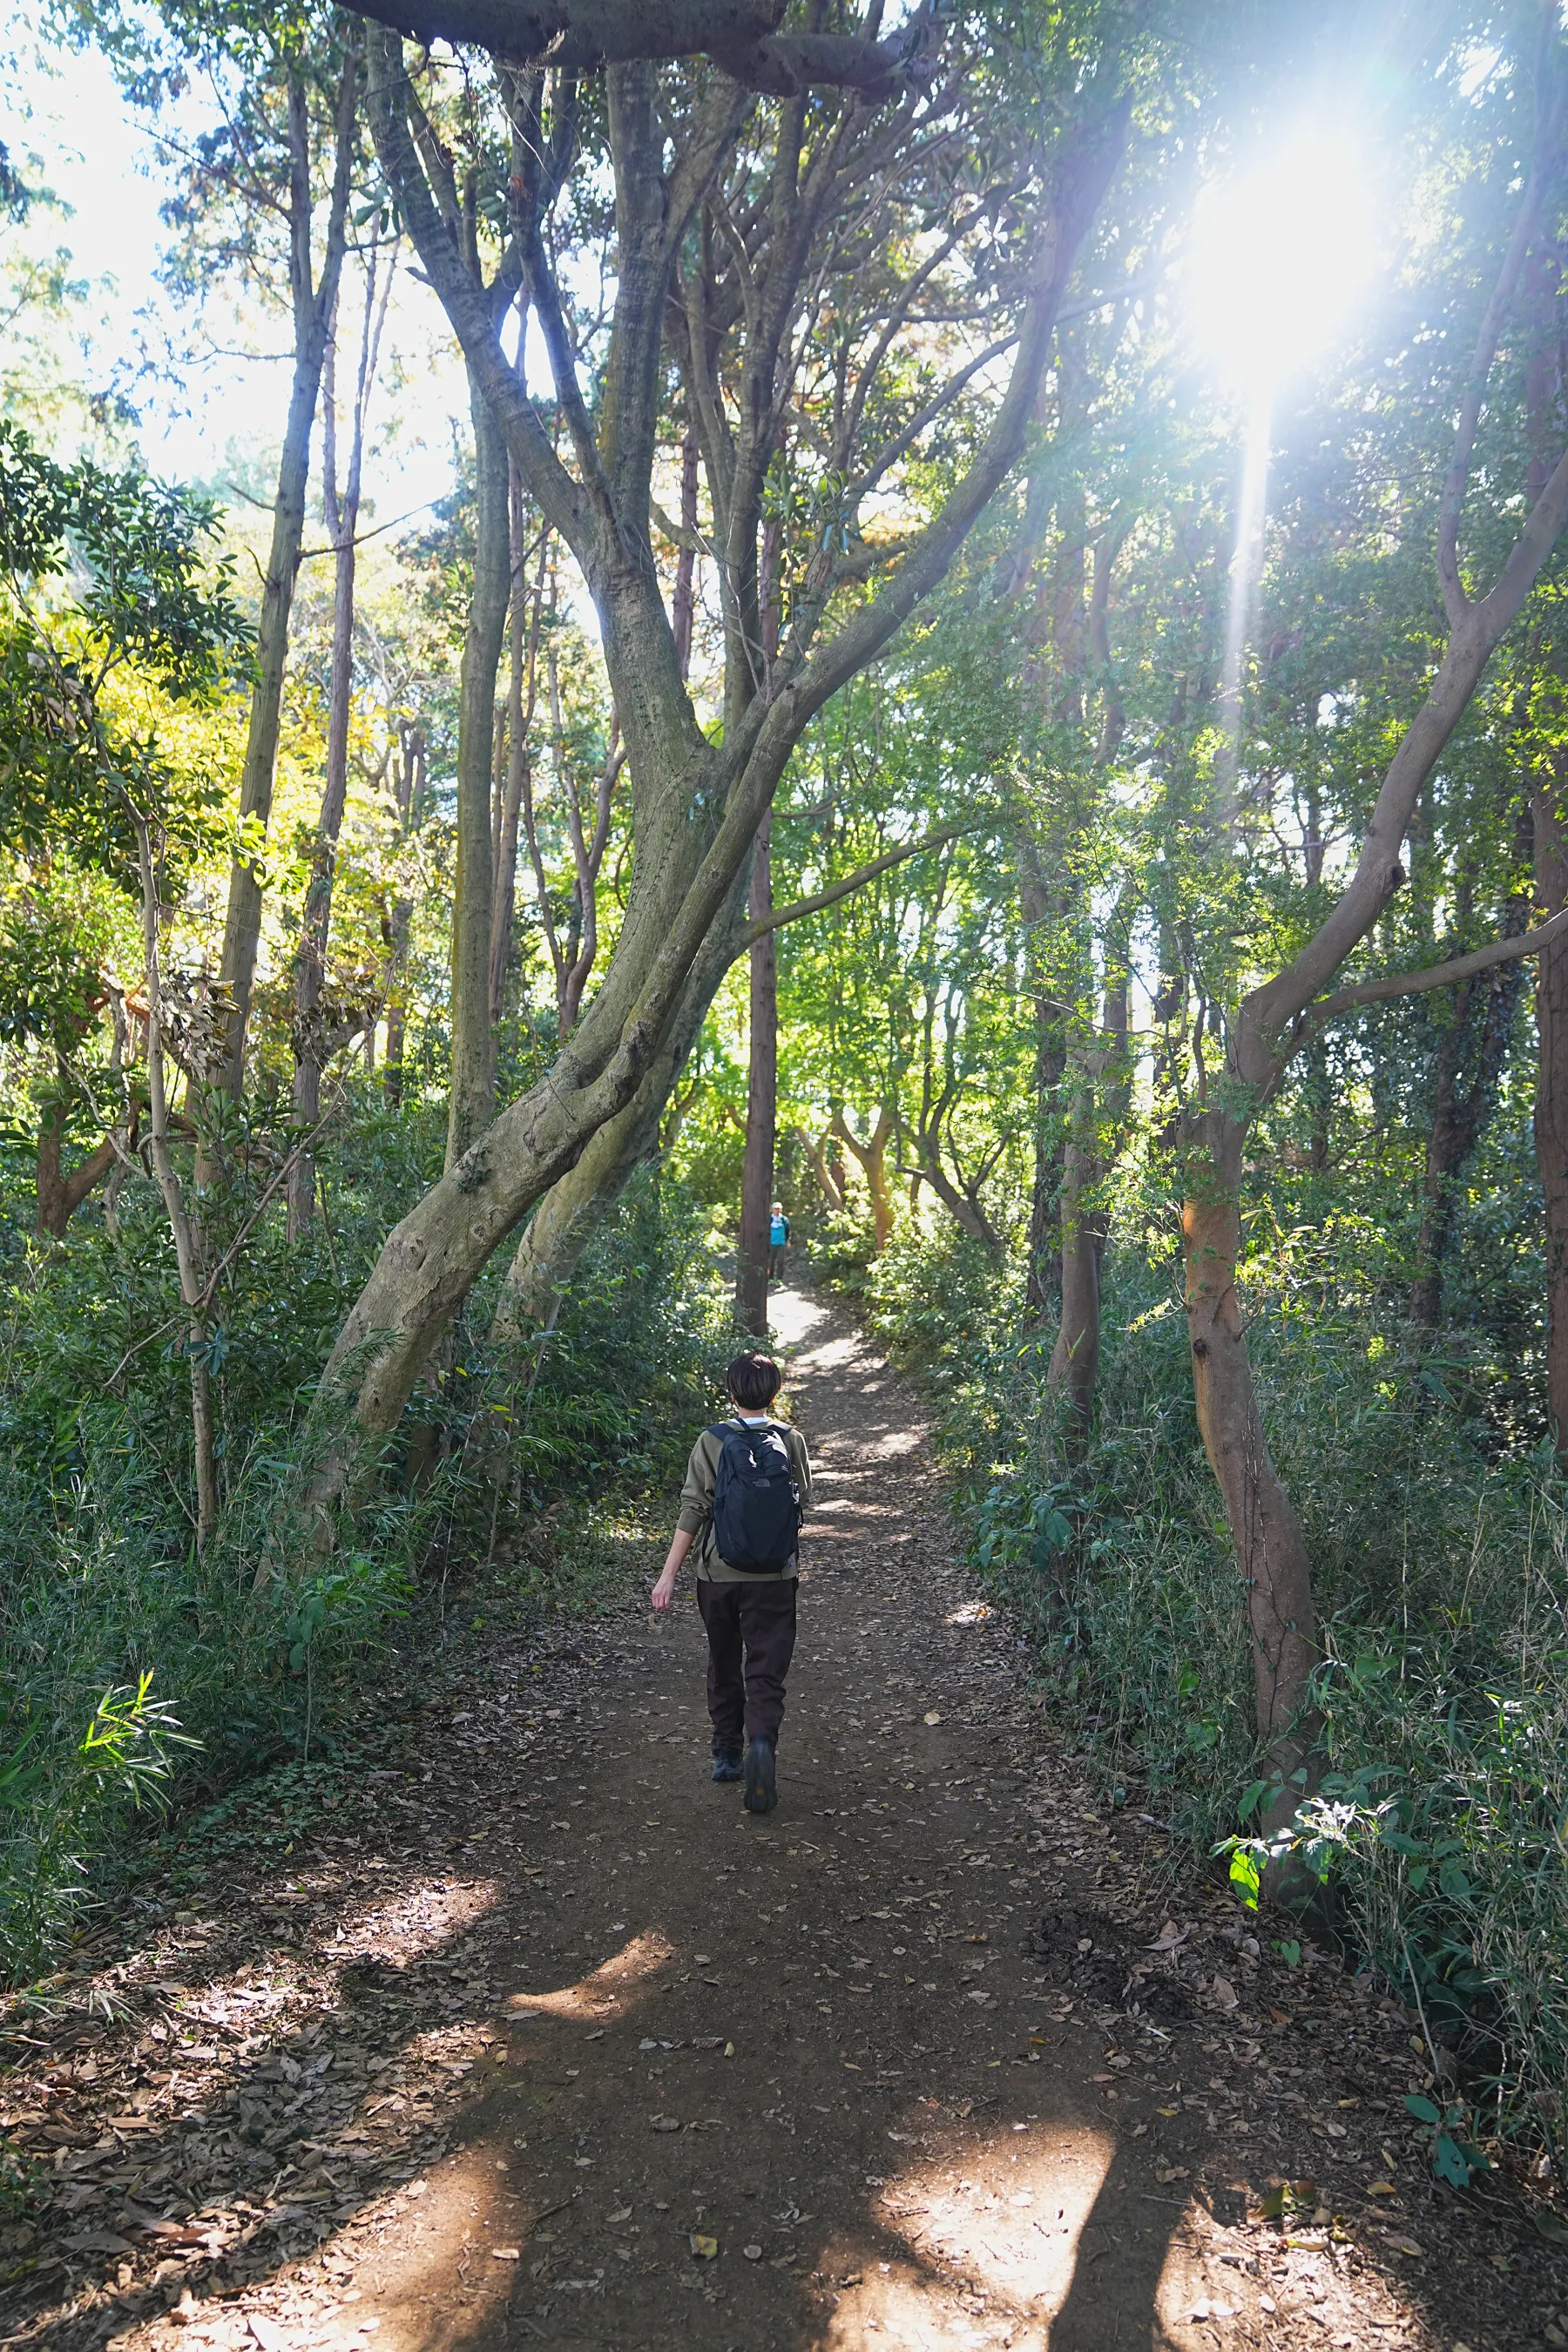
(1244,1877)
(1422,2109)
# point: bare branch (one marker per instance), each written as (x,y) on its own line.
(846,883)
(1436,975)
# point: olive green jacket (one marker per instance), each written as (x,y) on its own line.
(696,1515)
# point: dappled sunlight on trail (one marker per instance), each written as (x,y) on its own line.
(1004,2225)
(910,2062)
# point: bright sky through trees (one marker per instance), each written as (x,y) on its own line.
(1283,252)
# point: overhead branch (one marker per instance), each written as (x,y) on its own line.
(846,883)
(1436,975)
(1086,173)
(578,37)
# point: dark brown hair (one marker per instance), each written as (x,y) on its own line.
(753,1381)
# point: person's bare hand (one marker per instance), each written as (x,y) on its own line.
(663,1593)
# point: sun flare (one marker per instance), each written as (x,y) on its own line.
(1280,253)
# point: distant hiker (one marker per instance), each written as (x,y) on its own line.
(747,1486)
(778,1242)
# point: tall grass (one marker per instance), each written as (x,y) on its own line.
(263,1647)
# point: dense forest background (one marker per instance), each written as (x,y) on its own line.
(986,659)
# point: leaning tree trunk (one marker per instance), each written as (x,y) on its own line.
(762,1103)
(872,1158)
(576,1205)
(697,802)
(1270,1548)
(313,306)
(471,1102)
(60,1194)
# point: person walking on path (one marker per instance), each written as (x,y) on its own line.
(778,1242)
(748,1483)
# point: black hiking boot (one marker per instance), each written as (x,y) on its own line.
(727,1765)
(761,1788)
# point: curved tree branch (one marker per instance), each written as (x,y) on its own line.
(580,35)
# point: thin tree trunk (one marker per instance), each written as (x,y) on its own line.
(762,1102)
(342,516)
(828,1181)
(314,305)
(683,613)
(472,1100)
(576,1205)
(522,630)
(872,1160)
(1270,1548)
(187,1233)
(408,790)
(1100,1099)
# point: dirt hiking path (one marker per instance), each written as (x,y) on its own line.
(535,2036)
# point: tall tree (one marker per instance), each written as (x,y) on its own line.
(1275,1019)
(311,1033)
(745,225)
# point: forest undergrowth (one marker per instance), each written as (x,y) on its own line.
(1443,1691)
(140,1673)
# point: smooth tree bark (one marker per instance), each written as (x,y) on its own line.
(59,1191)
(1100,1089)
(524,616)
(762,1101)
(576,1205)
(1271,1024)
(408,794)
(747,301)
(870,1157)
(1042,1277)
(313,296)
(471,1103)
(183,1227)
(310,1036)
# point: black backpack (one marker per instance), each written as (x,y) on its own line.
(756,1502)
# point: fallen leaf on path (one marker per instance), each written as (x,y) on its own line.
(506,2253)
(1225,1993)
(932,1717)
(1406,2246)
(267,2332)
(1172,2172)
(665,2123)
(1381,2188)
(1551,2226)
(1169,1937)
(752,2253)
(621,2213)
(703,2248)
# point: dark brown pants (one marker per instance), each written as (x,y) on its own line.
(751,1641)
